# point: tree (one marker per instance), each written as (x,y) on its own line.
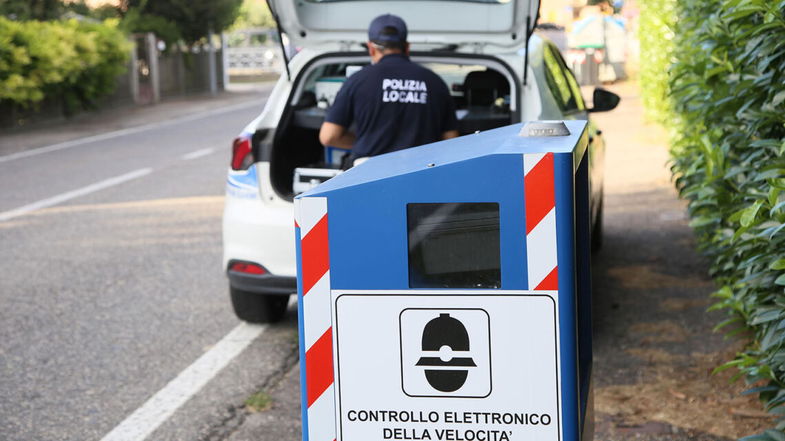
(192,19)
(31,9)
(254,14)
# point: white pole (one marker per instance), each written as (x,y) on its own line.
(152,53)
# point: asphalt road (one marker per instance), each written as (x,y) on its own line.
(111,281)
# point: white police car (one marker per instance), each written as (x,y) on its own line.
(477,46)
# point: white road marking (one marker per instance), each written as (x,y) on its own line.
(140,424)
(197,154)
(121,132)
(92,188)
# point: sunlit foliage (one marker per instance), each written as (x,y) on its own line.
(724,101)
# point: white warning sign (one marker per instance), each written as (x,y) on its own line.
(466,366)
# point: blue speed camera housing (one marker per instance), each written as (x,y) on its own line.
(499,212)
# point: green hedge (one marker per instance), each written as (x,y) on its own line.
(77,62)
(726,108)
(655,34)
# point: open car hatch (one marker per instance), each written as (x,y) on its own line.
(495,25)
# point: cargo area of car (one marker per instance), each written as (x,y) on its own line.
(483,94)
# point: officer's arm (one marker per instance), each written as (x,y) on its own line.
(450,134)
(336,135)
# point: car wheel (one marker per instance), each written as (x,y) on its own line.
(596,231)
(258,308)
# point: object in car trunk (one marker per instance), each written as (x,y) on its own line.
(307,178)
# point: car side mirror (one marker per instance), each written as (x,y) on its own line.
(604,100)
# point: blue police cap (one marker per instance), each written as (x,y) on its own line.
(383,21)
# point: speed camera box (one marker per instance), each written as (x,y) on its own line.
(442,292)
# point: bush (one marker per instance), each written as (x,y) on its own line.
(77,62)
(108,50)
(727,86)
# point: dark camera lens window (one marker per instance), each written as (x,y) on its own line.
(454,245)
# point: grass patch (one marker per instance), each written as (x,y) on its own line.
(259,402)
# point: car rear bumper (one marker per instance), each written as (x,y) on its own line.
(262,283)
(260,230)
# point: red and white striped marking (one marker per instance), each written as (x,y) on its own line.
(311,217)
(540,196)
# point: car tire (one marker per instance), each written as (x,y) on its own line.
(596,231)
(258,308)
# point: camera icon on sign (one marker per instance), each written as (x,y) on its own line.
(445,352)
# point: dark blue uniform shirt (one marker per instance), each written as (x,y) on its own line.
(396,104)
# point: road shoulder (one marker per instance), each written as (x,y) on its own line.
(654,346)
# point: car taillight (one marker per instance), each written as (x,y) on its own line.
(248,268)
(241,153)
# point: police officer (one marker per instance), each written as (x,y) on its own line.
(395,103)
